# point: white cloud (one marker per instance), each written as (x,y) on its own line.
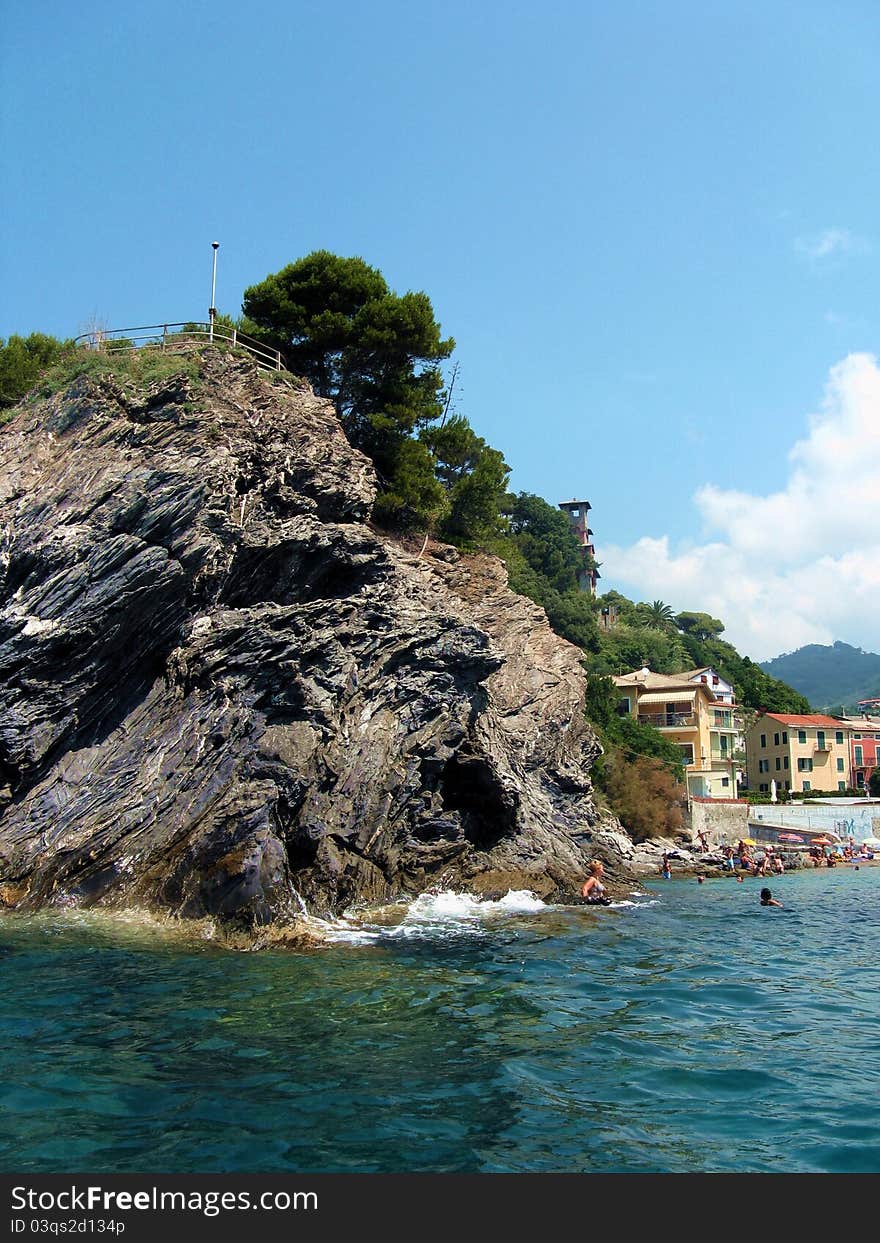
(830,242)
(801,565)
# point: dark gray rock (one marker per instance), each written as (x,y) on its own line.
(223,693)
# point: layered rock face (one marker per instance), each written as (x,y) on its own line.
(223,693)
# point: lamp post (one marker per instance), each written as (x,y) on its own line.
(212,310)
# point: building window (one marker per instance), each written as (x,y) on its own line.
(763,740)
(840,765)
(776,740)
(763,766)
(820,739)
(857,736)
(841,785)
(784,736)
(623,707)
(687,752)
(778,763)
(805,766)
(785,761)
(763,787)
(725,781)
(788,785)
(807,785)
(838,736)
(859,760)
(802,735)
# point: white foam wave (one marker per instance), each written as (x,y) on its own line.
(448,906)
(343,930)
(441,914)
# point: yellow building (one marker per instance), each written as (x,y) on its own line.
(798,752)
(690,715)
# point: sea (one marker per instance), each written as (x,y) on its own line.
(685,1030)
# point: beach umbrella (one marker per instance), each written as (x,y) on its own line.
(749,841)
(790,837)
(821,841)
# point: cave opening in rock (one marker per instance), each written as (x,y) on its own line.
(468,785)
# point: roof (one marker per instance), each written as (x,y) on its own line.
(696,673)
(670,682)
(810,719)
(861,722)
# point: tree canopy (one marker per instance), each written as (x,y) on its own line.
(372,352)
(700,625)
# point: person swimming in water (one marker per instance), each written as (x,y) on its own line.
(767,898)
(592,890)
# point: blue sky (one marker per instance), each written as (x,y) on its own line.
(651,229)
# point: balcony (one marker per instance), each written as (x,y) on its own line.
(668,720)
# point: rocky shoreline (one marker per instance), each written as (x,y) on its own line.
(226,694)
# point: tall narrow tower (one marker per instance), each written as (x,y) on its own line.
(577,512)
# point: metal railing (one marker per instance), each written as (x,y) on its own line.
(181,337)
(666,720)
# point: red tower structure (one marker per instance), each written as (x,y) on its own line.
(578,512)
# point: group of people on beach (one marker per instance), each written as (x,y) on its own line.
(820,858)
(737,858)
(742,858)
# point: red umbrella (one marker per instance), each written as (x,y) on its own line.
(789,837)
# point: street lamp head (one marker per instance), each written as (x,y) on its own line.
(216,245)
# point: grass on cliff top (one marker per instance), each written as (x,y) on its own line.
(143,367)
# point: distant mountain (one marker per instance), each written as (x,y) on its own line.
(829,676)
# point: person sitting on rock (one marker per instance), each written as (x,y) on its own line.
(592,890)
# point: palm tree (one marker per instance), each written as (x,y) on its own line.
(660,614)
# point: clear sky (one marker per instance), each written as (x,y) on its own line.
(650,227)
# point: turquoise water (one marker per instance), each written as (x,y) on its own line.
(691,1031)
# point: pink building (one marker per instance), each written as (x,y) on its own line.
(864,741)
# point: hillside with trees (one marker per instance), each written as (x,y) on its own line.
(835,676)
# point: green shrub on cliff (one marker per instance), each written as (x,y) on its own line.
(22,361)
(474,477)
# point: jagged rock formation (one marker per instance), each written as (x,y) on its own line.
(224,693)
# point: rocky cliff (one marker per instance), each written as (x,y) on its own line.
(224,693)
